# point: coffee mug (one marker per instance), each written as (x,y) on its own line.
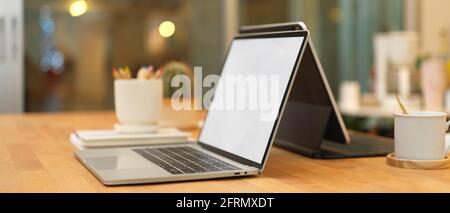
(420,135)
(138,104)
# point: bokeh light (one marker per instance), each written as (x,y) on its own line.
(78,8)
(166,29)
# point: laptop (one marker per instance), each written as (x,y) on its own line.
(232,142)
(312,124)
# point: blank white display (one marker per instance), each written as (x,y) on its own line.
(242,132)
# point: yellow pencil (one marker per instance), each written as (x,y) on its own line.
(123,73)
(127,72)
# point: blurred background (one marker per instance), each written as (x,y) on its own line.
(57,55)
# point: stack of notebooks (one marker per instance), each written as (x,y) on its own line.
(91,139)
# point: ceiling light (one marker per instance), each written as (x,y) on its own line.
(166,29)
(78,8)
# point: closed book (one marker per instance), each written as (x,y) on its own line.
(87,139)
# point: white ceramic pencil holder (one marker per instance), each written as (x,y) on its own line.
(138,105)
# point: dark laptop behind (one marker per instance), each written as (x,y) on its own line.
(311,123)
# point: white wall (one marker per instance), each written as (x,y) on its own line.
(434,17)
(11,56)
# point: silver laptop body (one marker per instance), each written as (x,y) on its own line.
(117,166)
(151,164)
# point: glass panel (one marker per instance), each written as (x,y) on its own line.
(69,58)
(342,30)
(2,40)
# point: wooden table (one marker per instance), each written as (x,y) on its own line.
(36,156)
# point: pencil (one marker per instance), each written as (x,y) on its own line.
(127,72)
(116,74)
(158,74)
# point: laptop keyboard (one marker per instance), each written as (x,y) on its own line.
(184,160)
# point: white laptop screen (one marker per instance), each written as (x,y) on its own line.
(249,94)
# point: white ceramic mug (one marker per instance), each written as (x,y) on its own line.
(138,104)
(420,135)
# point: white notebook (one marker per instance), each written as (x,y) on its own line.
(87,139)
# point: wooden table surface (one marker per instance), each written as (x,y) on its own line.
(36,156)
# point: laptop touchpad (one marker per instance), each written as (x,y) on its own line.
(117,162)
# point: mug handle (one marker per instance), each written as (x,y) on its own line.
(447,137)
